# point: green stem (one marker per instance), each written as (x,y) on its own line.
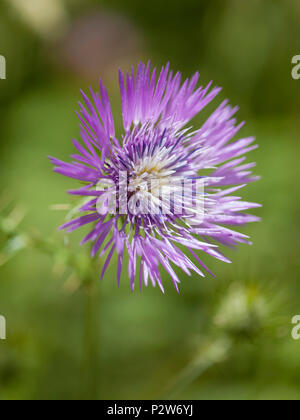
(91,363)
(91,345)
(213,353)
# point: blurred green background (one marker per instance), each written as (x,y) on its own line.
(227,337)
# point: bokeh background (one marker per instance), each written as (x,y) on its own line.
(70,336)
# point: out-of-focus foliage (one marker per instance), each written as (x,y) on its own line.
(223,337)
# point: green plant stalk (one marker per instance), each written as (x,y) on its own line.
(213,353)
(91,345)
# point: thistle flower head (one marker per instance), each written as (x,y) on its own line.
(161,184)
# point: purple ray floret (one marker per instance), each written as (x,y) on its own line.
(160,187)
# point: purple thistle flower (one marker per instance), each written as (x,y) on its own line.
(142,191)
